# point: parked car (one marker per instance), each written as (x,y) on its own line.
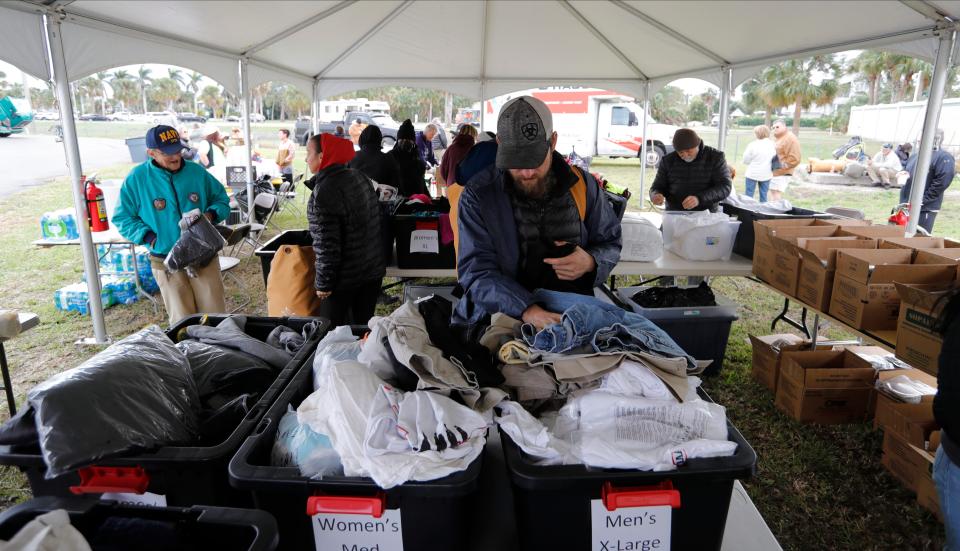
(14,116)
(302,130)
(161,117)
(46,116)
(120,116)
(257,117)
(93,117)
(191,117)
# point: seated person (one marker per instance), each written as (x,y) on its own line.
(693,177)
(530,221)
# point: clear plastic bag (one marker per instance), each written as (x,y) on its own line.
(138,393)
(702,236)
(298,445)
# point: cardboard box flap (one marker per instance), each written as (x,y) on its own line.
(874,231)
(859,264)
(911,243)
(925,296)
(824,250)
(937,256)
(770,340)
(915,273)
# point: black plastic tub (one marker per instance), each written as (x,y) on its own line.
(435,515)
(184,475)
(193,528)
(743,244)
(553,503)
(299,238)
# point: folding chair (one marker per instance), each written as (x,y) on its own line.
(287,196)
(227,264)
(270,204)
(847,212)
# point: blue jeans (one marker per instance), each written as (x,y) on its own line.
(604,327)
(764,186)
(946,475)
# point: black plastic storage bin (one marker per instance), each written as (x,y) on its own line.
(221,528)
(185,475)
(553,506)
(412,217)
(300,238)
(743,244)
(702,332)
(387,209)
(435,515)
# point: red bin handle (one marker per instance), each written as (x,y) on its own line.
(640,496)
(348,505)
(100,480)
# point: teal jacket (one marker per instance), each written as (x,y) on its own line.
(153,199)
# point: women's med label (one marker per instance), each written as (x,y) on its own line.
(341,532)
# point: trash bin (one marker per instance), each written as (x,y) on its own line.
(702,331)
(435,515)
(743,244)
(300,238)
(138,149)
(197,527)
(183,475)
(553,503)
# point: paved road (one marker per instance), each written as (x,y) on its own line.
(31,160)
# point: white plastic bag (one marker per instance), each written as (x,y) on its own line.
(701,236)
(642,240)
(336,346)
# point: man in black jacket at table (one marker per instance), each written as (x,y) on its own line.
(694,177)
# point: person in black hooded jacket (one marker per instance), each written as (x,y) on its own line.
(344,220)
(694,177)
(372,161)
(412,167)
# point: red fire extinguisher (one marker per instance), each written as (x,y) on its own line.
(96,207)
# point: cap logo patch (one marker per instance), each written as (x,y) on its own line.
(159,204)
(530,130)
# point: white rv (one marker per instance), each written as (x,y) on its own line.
(334,110)
(593,122)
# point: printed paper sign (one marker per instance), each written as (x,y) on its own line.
(358,532)
(630,528)
(425,241)
(146,498)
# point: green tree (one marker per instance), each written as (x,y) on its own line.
(669,105)
(869,65)
(165,92)
(296,101)
(791,82)
(193,86)
(710,98)
(698,110)
(213,99)
(175,75)
(143,79)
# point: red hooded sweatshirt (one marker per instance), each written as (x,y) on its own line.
(336,151)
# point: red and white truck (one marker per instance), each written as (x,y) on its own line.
(594,122)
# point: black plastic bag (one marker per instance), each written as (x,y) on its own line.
(199,243)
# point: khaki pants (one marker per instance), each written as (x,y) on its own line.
(184,295)
(882,175)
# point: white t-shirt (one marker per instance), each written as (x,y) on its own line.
(758,157)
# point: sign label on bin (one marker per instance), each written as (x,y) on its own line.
(630,528)
(149,499)
(345,532)
(425,241)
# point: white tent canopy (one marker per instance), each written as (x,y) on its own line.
(461,46)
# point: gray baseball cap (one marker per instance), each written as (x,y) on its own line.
(523,132)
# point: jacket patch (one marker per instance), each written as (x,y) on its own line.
(194,197)
(159,204)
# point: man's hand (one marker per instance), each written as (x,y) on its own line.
(322,295)
(210,216)
(690,202)
(657,199)
(539,317)
(573,265)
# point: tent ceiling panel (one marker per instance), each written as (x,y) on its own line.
(23,42)
(426,39)
(311,49)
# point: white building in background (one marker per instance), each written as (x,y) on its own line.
(902,122)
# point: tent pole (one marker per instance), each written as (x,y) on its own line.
(483,105)
(930,120)
(315,108)
(643,142)
(71,149)
(725,90)
(247,135)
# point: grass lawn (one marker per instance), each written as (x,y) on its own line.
(816,486)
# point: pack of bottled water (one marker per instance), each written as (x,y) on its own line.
(75,297)
(59,225)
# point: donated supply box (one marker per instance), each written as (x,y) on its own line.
(916,243)
(918,341)
(765,250)
(824,386)
(767,351)
(884,404)
(864,295)
(875,232)
(818,265)
(907,463)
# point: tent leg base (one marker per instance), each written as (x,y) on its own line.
(92,341)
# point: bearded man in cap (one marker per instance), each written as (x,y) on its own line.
(530,221)
(694,177)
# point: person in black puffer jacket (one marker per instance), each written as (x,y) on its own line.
(412,167)
(946,410)
(344,222)
(694,177)
(372,161)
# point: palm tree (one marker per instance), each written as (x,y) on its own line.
(144,78)
(791,82)
(103,78)
(709,98)
(193,86)
(258,94)
(212,98)
(870,65)
(165,91)
(296,100)
(175,75)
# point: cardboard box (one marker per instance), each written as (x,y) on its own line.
(876,406)
(914,425)
(818,264)
(915,243)
(824,386)
(918,343)
(875,232)
(864,295)
(937,256)
(927,496)
(887,408)
(766,358)
(907,463)
(764,253)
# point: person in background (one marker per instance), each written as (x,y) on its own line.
(425,145)
(372,161)
(884,166)
(903,153)
(153,199)
(946,411)
(236,137)
(694,176)
(939,177)
(759,157)
(344,221)
(338,132)
(439,141)
(788,152)
(412,167)
(211,149)
(286,151)
(356,128)
(462,143)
